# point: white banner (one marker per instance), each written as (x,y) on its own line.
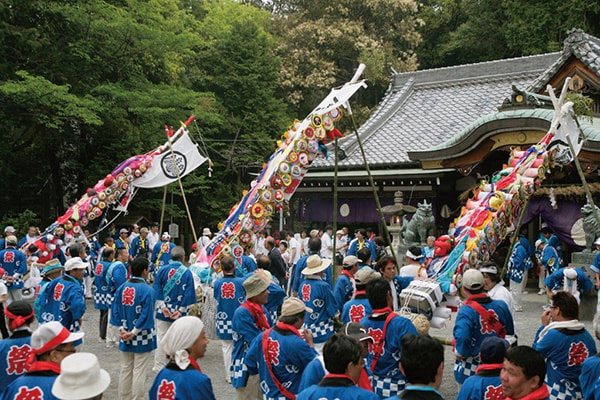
(186,159)
(567,128)
(338,97)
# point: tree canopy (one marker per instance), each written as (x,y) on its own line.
(87,84)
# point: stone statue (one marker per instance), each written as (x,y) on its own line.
(420,225)
(590,226)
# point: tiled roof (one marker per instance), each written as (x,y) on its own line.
(422,109)
(460,142)
(579,44)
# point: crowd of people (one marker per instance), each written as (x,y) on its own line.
(289,325)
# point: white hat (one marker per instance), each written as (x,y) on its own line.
(538,242)
(570,273)
(50,335)
(124,230)
(74,263)
(489,269)
(472,279)
(80,378)
(11,240)
(165,236)
(206,232)
(10,229)
(314,265)
(339,232)
(597,242)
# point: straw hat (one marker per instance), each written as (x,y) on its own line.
(292,306)
(314,265)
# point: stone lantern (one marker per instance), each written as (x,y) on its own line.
(396,213)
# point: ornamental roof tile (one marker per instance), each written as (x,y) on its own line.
(583,46)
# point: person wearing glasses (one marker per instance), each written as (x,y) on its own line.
(50,344)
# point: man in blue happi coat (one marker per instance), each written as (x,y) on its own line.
(63,299)
(14,263)
(280,354)
(175,293)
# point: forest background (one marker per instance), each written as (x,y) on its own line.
(85,84)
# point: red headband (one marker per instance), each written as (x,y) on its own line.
(56,341)
(17,320)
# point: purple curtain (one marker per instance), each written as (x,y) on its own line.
(561,220)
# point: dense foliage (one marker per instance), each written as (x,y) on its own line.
(85,84)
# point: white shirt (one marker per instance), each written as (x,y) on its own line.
(294,244)
(260,247)
(499,292)
(132,236)
(153,238)
(326,243)
(3,289)
(412,270)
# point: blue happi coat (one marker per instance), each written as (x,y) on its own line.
(247,266)
(63,301)
(139,247)
(174,383)
(343,291)
(32,385)
(229,294)
(387,379)
(317,294)
(289,356)
(13,356)
(590,378)
(336,388)
(356,309)
(115,275)
(470,331)
(354,248)
(244,332)
(180,296)
(520,260)
(313,373)
(556,280)
(485,385)
(550,259)
(14,263)
(161,255)
(101,294)
(564,351)
(133,308)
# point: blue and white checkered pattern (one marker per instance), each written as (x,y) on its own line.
(18,283)
(143,338)
(239,369)
(75,327)
(516,275)
(102,298)
(273,315)
(323,328)
(465,368)
(563,392)
(387,387)
(223,327)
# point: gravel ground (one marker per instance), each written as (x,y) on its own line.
(526,322)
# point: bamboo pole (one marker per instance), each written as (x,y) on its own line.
(586,187)
(335,207)
(187,208)
(162,211)
(364,156)
(514,238)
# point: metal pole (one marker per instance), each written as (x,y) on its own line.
(362,151)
